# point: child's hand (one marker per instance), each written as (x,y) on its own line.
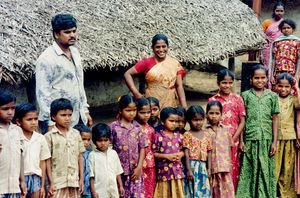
(95,195)
(0,147)
(23,189)
(122,191)
(208,172)
(242,146)
(172,157)
(189,175)
(298,143)
(50,190)
(136,173)
(42,192)
(273,149)
(81,186)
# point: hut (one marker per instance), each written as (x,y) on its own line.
(114,35)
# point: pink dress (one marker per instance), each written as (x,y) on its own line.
(149,163)
(233,109)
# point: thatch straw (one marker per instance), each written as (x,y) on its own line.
(116,34)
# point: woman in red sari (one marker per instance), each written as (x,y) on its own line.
(270,28)
(163,75)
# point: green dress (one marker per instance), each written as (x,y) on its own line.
(257,175)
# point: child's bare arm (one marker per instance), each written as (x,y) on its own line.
(239,129)
(189,173)
(22,178)
(43,168)
(209,163)
(80,165)
(170,157)
(92,185)
(275,132)
(49,176)
(137,171)
(120,184)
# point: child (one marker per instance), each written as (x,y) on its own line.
(105,165)
(143,115)
(154,120)
(199,145)
(66,147)
(285,155)
(86,135)
(285,53)
(233,116)
(12,182)
(221,181)
(181,119)
(35,152)
(168,151)
(257,175)
(129,141)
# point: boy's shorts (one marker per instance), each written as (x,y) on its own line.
(15,195)
(33,184)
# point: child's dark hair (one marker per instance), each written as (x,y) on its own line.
(166,112)
(125,100)
(141,102)
(60,104)
(257,67)
(289,22)
(193,111)
(24,108)
(82,128)
(154,101)
(214,103)
(158,37)
(180,111)
(6,97)
(223,73)
(286,76)
(275,7)
(100,130)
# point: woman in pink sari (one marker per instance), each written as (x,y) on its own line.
(270,28)
(163,75)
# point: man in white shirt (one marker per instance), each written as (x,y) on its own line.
(59,74)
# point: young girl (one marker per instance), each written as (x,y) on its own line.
(233,116)
(285,155)
(129,142)
(181,119)
(168,150)
(143,115)
(154,120)
(198,143)
(285,53)
(257,175)
(221,181)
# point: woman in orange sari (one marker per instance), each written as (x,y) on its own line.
(163,75)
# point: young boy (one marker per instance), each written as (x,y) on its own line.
(66,148)
(35,150)
(86,135)
(12,182)
(105,165)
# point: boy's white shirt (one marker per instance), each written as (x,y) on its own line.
(10,157)
(104,169)
(34,150)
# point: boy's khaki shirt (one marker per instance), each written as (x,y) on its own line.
(65,152)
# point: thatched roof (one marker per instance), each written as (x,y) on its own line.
(114,34)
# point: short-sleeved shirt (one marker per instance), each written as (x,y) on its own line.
(221,148)
(86,174)
(105,169)
(167,170)
(10,157)
(149,161)
(286,118)
(197,147)
(127,142)
(65,150)
(286,54)
(233,109)
(259,112)
(35,150)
